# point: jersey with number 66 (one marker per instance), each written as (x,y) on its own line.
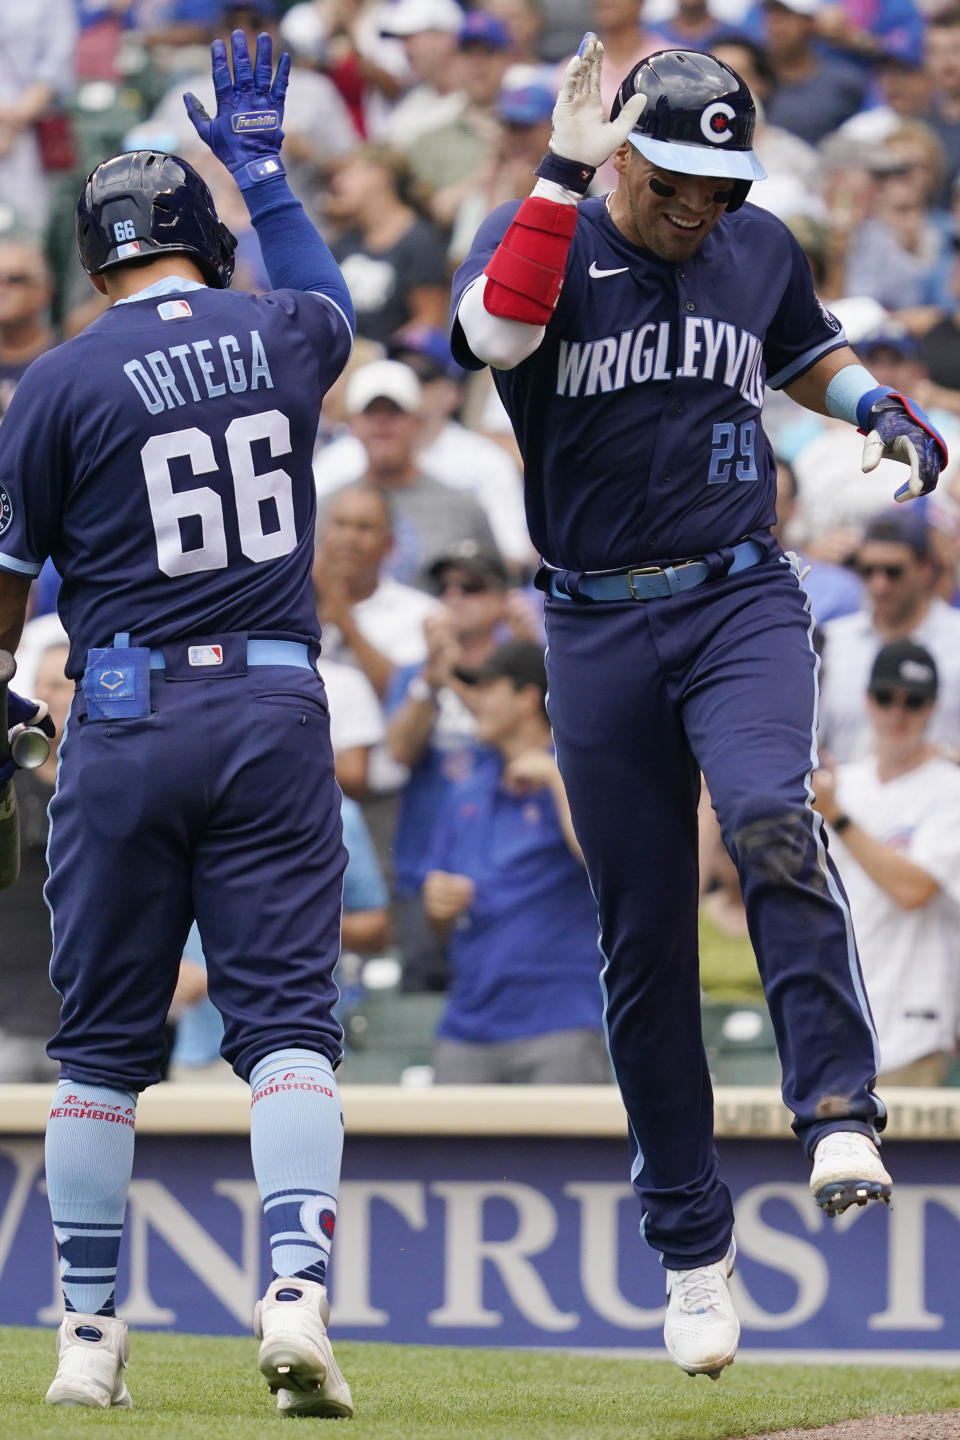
(638,416)
(163,460)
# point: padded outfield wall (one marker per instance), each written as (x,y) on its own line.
(502,1216)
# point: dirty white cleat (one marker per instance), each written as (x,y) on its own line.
(701,1330)
(296,1356)
(93,1351)
(847,1170)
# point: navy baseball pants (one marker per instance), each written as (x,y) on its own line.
(221,804)
(643,696)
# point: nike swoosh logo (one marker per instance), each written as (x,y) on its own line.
(596,274)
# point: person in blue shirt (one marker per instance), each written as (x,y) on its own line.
(163,459)
(508,888)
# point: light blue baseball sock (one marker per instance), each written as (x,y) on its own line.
(296,1140)
(89,1159)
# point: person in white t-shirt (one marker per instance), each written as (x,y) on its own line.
(357,724)
(894,828)
(369,619)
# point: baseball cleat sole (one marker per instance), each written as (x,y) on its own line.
(833,1199)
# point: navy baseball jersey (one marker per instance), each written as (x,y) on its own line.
(171,482)
(638,416)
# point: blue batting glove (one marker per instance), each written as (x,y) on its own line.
(247,131)
(22,711)
(897,429)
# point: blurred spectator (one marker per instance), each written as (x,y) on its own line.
(865,30)
(508,889)
(692,26)
(342,38)
(392,257)
(428,30)
(448,157)
(524,20)
(898,254)
(29,1006)
(37,41)
(938,332)
(813,93)
(364,930)
(901,91)
(460,457)
(830,580)
(430,730)
(25,291)
(316,123)
(792,166)
(899,576)
(384,404)
(357,724)
(894,821)
(369,619)
(943,78)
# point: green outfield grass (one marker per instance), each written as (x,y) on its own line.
(189,1387)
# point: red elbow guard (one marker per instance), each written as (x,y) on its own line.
(526,269)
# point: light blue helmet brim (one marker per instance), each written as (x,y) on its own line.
(713,160)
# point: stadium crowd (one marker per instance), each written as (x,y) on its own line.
(408,120)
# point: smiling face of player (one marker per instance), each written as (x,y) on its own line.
(671,225)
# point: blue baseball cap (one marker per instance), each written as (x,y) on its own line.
(525,104)
(482,28)
(429,341)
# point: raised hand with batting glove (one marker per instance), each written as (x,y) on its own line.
(247,131)
(897,429)
(580,128)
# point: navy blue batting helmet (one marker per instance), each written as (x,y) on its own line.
(144,203)
(698,119)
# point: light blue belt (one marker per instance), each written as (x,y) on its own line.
(259,652)
(655,581)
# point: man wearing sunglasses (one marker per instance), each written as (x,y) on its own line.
(898,569)
(894,821)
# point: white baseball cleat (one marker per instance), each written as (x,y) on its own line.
(847,1170)
(701,1330)
(296,1356)
(93,1351)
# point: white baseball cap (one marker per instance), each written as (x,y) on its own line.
(409,17)
(383,380)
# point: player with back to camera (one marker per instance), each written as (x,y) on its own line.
(163,459)
(630,339)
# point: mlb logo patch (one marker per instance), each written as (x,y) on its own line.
(204,654)
(132,247)
(173,310)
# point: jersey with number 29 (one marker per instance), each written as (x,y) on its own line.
(163,460)
(638,416)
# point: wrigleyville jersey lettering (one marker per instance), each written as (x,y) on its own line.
(166,467)
(709,349)
(638,416)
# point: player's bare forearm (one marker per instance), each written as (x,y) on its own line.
(810,388)
(14,590)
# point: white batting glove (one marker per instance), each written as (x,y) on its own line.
(581,130)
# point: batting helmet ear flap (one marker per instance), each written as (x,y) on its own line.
(741,189)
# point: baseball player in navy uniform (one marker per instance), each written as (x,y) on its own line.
(631,338)
(163,460)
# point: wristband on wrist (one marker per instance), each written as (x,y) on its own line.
(571,174)
(847,391)
(254,172)
(840,823)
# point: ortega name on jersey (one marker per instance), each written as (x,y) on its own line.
(710,349)
(202,368)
